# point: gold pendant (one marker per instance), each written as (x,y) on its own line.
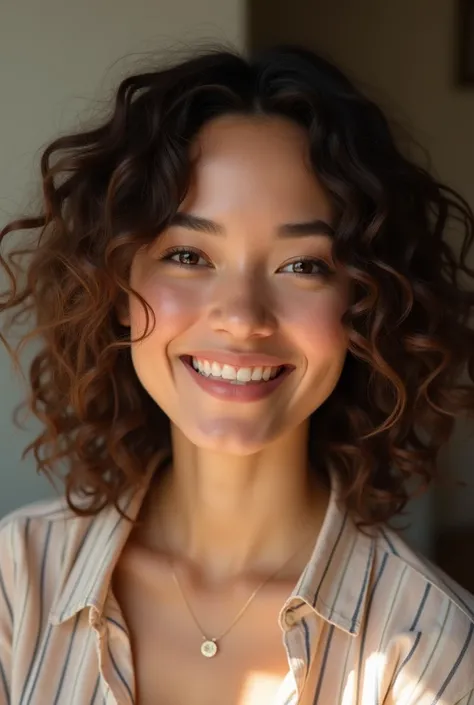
(209,648)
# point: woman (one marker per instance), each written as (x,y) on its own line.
(252,332)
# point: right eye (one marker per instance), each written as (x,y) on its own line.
(184,257)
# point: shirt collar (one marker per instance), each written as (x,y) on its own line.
(98,547)
(333,585)
(335,582)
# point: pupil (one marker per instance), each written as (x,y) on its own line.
(303,267)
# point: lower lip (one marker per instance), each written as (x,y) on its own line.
(237,392)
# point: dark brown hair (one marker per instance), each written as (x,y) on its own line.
(112,189)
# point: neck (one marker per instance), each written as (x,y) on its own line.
(236,515)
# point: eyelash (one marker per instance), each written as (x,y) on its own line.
(327,273)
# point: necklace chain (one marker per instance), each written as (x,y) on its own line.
(210,644)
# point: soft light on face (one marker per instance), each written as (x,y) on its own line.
(244,287)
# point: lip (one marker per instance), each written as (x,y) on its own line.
(226,391)
(236,359)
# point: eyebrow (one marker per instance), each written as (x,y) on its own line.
(203,225)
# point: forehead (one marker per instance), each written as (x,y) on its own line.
(255,164)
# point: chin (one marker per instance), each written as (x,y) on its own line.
(231,438)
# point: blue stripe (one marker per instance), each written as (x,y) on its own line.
(390,544)
(94,694)
(331,556)
(38,667)
(77,558)
(434,650)
(85,650)
(40,616)
(5,596)
(369,605)
(3,680)
(408,656)
(420,608)
(117,624)
(456,665)
(112,532)
(323,665)
(341,581)
(66,662)
(118,672)
(23,611)
(363,589)
(467,607)
(307,644)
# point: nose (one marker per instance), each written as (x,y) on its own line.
(242,309)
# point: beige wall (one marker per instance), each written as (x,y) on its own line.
(55,57)
(403,53)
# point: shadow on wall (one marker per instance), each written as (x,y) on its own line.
(406,56)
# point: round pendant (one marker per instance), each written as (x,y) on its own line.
(208,648)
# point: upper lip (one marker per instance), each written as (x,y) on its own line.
(236,359)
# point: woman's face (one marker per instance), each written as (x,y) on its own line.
(253,276)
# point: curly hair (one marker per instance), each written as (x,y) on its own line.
(110,190)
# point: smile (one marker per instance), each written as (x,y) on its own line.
(233,383)
(236,375)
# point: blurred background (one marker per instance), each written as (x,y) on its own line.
(60,61)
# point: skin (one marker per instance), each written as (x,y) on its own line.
(238,501)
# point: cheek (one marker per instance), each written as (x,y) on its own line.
(317,325)
(173,307)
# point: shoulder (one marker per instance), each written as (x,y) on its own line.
(30,526)
(423,622)
(39,544)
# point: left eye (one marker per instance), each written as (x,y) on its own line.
(308,266)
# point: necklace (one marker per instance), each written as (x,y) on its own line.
(210,645)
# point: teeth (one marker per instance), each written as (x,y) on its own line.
(244,374)
(234,374)
(229,372)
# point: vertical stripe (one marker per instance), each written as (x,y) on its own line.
(66,660)
(434,649)
(389,543)
(362,591)
(4,682)
(364,633)
(94,694)
(420,608)
(343,574)
(85,650)
(457,663)
(79,555)
(24,608)
(40,615)
(118,625)
(344,672)
(323,666)
(307,644)
(120,674)
(391,608)
(3,590)
(331,557)
(409,656)
(38,666)
(457,597)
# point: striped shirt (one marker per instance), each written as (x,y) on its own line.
(368,623)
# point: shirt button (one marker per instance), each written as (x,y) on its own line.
(290,619)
